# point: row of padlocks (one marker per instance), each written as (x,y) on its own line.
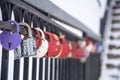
(51,56)
(38,43)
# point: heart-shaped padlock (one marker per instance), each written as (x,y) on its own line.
(58,49)
(10,40)
(52,46)
(37,36)
(65,47)
(43,48)
(28,43)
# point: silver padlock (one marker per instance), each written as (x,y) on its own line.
(18,52)
(28,44)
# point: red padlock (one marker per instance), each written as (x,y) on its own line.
(65,47)
(58,46)
(37,35)
(52,46)
(77,51)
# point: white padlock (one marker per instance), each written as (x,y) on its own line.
(43,48)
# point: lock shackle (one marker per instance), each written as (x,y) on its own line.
(37,33)
(28,28)
(14,22)
(43,35)
(55,36)
(50,35)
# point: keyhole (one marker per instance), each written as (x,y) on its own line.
(9,44)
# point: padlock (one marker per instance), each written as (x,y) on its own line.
(89,45)
(58,49)
(52,46)
(10,40)
(88,48)
(76,50)
(83,46)
(43,48)
(65,47)
(28,43)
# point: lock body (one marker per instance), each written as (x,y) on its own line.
(10,40)
(28,47)
(56,41)
(51,44)
(66,48)
(42,50)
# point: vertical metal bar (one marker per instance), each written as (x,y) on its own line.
(30,68)
(84,71)
(4,69)
(16,69)
(43,68)
(37,70)
(70,63)
(40,68)
(60,70)
(26,69)
(55,74)
(0,59)
(73,68)
(46,68)
(21,70)
(79,75)
(51,68)
(34,63)
(63,70)
(67,69)
(11,65)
